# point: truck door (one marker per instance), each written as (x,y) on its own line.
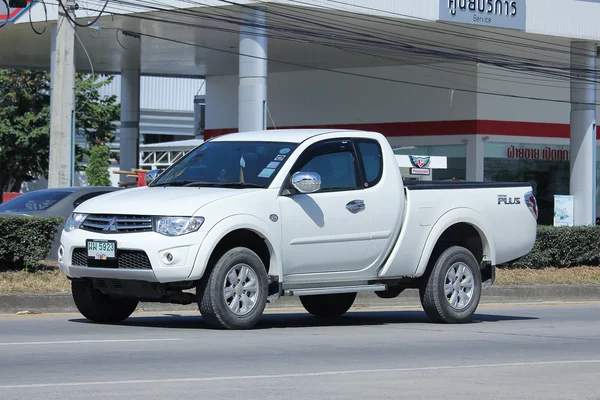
(326,231)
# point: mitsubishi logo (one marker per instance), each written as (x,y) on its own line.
(110,226)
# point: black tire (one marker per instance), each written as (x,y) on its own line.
(433,291)
(211,292)
(98,307)
(328,305)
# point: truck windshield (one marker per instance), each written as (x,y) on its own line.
(228,164)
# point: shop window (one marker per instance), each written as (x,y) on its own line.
(545,167)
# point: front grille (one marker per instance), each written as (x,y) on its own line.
(117,223)
(126,259)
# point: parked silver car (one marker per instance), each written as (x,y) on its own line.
(58,202)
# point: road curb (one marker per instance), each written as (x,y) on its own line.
(63,303)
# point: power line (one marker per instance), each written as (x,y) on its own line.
(524,67)
(3,23)
(45,19)
(239,21)
(527,66)
(466,27)
(73,21)
(357,74)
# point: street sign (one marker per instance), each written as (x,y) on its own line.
(13,13)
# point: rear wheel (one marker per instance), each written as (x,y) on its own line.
(234,295)
(98,307)
(328,305)
(452,289)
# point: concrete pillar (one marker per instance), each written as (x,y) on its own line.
(583,132)
(62,103)
(130,105)
(475,158)
(53,31)
(252,95)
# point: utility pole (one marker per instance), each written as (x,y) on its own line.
(62,99)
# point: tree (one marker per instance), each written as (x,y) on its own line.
(25,122)
(97,166)
(24,129)
(95,115)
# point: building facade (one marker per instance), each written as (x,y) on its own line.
(506,90)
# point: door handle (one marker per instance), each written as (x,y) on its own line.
(355,206)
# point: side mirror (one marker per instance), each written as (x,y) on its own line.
(152,175)
(306,182)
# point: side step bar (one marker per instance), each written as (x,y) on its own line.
(335,289)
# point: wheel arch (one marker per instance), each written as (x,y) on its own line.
(237,231)
(464,227)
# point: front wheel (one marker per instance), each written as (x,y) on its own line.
(452,289)
(234,295)
(98,307)
(328,305)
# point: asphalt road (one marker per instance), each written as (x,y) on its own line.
(525,352)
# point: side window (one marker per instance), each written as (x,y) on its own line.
(336,170)
(372,160)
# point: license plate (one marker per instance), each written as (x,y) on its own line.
(101,249)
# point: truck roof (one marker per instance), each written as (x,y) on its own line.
(276,135)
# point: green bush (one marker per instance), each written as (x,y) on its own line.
(24,241)
(561,247)
(98,165)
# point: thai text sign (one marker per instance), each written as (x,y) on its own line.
(493,13)
(547,153)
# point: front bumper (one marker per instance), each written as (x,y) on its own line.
(183,250)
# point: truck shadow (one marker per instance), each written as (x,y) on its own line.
(305,320)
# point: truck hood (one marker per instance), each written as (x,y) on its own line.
(181,201)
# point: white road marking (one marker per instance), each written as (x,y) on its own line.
(298,375)
(89,341)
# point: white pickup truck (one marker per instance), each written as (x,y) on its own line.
(321,214)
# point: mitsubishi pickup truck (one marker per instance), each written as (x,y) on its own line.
(249,217)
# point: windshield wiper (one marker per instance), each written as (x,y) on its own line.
(241,185)
(186,182)
(191,182)
(201,183)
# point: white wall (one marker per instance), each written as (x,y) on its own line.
(322,98)
(515,109)
(319,98)
(568,18)
(221,102)
(503,81)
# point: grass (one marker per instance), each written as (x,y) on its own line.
(50,280)
(40,281)
(548,276)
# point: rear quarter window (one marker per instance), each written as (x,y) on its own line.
(371,158)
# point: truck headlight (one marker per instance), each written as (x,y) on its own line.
(74,221)
(177,226)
